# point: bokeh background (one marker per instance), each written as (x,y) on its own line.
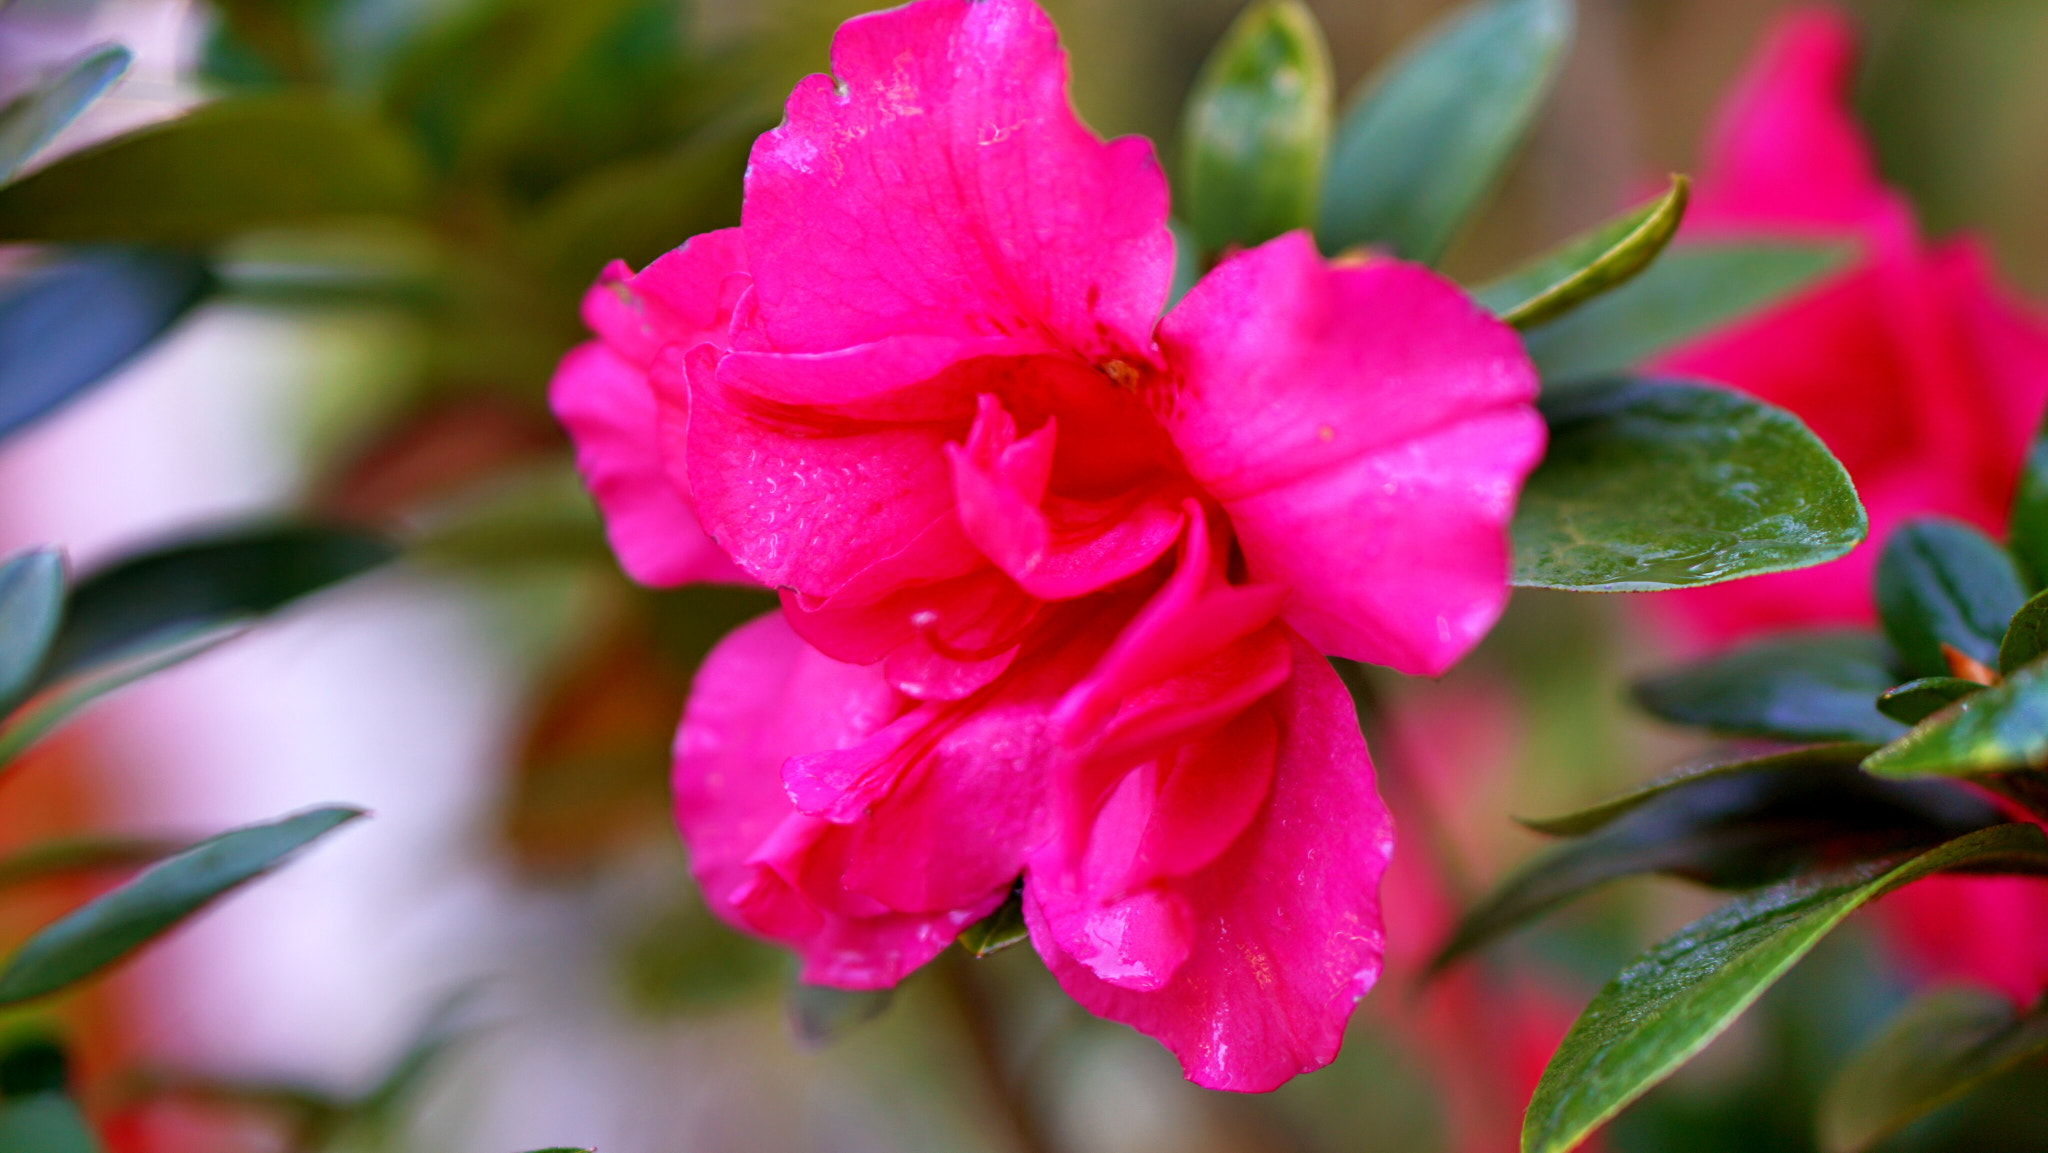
(518,911)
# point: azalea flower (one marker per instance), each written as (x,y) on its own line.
(1058,576)
(1917,370)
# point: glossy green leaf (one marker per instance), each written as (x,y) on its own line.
(1258,128)
(1000,929)
(2026,636)
(1736,761)
(820,1013)
(31,606)
(1798,686)
(1943,582)
(67,324)
(169,595)
(1669,1003)
(1663,484)
(1729,824)
(1915,701)
(1939,1047)
(1426,138)
(234,166)
(1587,265)
(34,118)
(107,929)
(2028,531)
(1690,290)
(45,1123)
(1996,730)
(44,712)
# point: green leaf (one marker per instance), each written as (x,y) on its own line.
(1587,265)
(234,166)
(1000,929)
(173,594)
(1258,128)
(74,855)
(1797,686)
(45,1123)
(634,211)
(47,710)
(66,325)
(820,1013)
(1425,139)
(2028,534)
(1939,1047)
(31,605)
(1730,824)
(1669,1003)
(1662,484)
(1996,730)
(1915,701)
(1735,762)
(32,119)
(1942,582)
(105,930)
(1689,291)
(2026,636)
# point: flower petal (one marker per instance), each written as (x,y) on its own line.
(685,297)
(942,185)
(1367,428)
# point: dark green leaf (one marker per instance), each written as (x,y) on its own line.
(2028,538)
(105,930)
(1587,265)
(1996,730)
(1000,929)
(35,1063)
(45,1123)
(31,605)
(274,30)
(1943,582)
(231,167)
(1730,824)
(1662,484)
(1690,290)
(820,1013)
(634,211)
(1427,137)
(1258,128)
(65,325)
(1669,1003)
(170,595)
(1939,1047)
(1797,686)
(2026,637)
(1915,701)
(62,858)
(46,711)
(1739,760)
(34,118)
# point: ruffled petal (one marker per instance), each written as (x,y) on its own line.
(685,297)
(1367,428)
(939,183)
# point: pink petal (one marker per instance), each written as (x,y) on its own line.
(1990,931)
(685,297)
(761,696)
(938,641)
(939,183)
(1286,922)
(605,403)
(1367,428)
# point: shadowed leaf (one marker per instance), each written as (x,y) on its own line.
(1939,1047)
(1000,929)
(1797,686)
(2026,637)
(1941,582)
(1997,730)
(1915,701)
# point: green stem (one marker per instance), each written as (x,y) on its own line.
(972,1004)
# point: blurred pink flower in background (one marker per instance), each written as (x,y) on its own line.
(1056,585)
(1923,376)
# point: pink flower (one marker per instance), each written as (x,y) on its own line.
(1057,576)
(1916,370)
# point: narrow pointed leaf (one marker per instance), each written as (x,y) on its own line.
(49,709)
(31,606)
(170,595)
(1672,1001)
(1730,826)
(1426,138)
(1799,687)
(1690,290)
(1941,582)
(1737,761)
(105,930)
(65,325)
(2028,535)
(1938,1048)
(1915,701)
(231,167)
(999,930)
(1589,264)
(1258,128)
(1664,484)
(1997,730)
(2026,637)
(76,855)
(34,118)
